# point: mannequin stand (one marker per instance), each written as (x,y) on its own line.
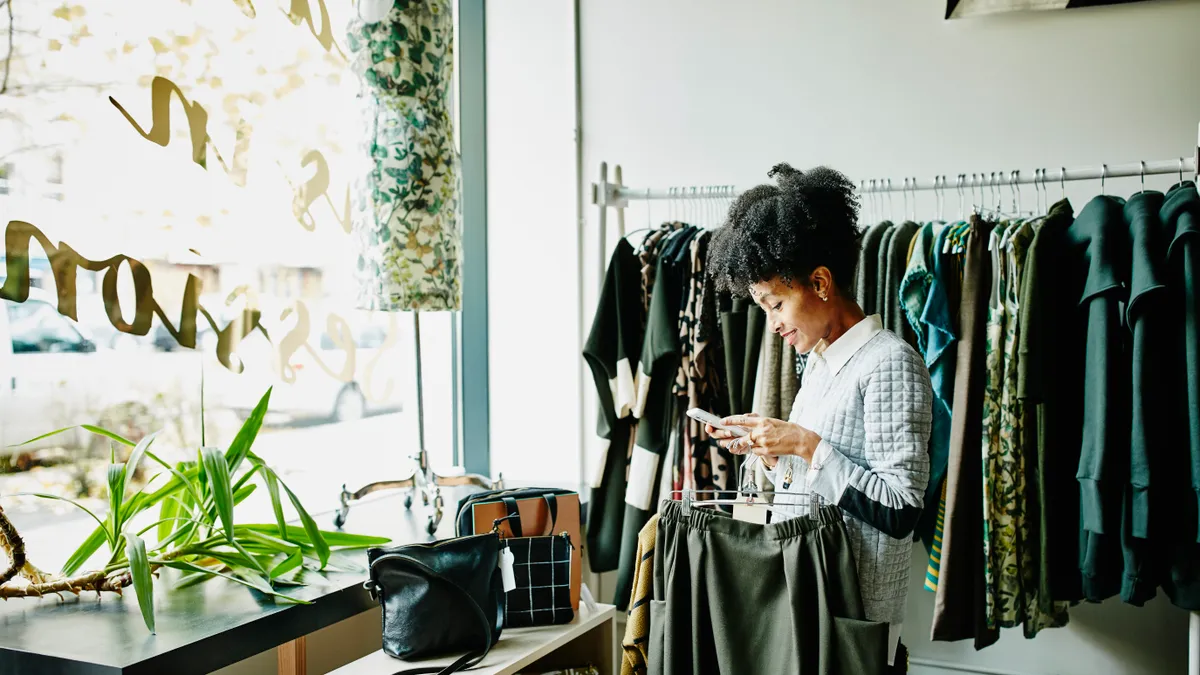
(423,480)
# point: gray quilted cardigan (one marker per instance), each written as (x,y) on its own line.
(873,416)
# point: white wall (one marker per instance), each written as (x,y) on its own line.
(532,236)
(715,92)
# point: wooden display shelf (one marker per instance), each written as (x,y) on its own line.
(591,639)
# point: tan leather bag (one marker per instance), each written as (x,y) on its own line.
(542,511)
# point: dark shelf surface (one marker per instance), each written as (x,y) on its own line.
(205,627)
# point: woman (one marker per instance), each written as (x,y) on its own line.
(859,428)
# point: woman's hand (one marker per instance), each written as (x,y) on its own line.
(769,438)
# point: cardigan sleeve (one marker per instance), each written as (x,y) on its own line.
(887,493)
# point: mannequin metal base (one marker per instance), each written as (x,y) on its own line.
(427,484)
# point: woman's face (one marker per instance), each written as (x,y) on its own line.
(795,311)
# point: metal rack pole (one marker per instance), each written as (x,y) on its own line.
(611,194)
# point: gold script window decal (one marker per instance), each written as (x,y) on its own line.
(135,98)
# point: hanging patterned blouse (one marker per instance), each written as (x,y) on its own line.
(406,217)
(1010,540)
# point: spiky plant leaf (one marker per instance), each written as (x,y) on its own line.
(105,535)
(168,520)
(107,434)
(310,527)
(86,550)
(143,581)
(264,588)
(289,563)
(272,482)
(43,436)
(213,461)
(299,535)
(240,447)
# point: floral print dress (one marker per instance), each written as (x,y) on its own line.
(1010,543)
(406,216)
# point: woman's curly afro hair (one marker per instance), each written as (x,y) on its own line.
(808,220)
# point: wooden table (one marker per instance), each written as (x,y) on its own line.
(206,627)
(590,639)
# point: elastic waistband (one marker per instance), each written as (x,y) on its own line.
(711,520)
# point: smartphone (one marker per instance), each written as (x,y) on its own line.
(706,417)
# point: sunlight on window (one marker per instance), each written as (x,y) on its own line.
(181,173)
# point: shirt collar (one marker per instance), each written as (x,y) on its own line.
(838,353)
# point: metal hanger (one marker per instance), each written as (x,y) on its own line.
(913,185)
(937,196)
(982,195)
(1143,174)
(891,202)
(1062,180)
(1103,175)
(1037,189)
(962,213)
(1023,222)
(1014,184)
(748,493)
(942,208)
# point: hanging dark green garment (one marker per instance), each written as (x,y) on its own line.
(1042,494)
(891,309)
(1181,218)
(612,352)
(880,263)
(1098,242)
(1155,378)
(868,267)
(1181,214)
(1051,367)
(742,325)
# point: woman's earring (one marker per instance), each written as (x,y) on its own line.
(824,298)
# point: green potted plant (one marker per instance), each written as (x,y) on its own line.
(195,531)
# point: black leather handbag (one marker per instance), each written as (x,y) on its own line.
(439,598)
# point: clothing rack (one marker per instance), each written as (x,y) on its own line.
(617,195)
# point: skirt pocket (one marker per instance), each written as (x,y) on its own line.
(859,646)
(657,633)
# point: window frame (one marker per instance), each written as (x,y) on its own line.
(473,382)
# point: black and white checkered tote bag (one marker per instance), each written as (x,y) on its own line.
(542,571)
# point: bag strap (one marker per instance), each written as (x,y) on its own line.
(514,515)
(552,506)
(468,660)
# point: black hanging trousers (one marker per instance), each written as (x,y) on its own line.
(735,597)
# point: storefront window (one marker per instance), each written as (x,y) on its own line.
(169,161)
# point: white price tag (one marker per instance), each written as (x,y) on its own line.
(506,569)
(750,513)
(588,600)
